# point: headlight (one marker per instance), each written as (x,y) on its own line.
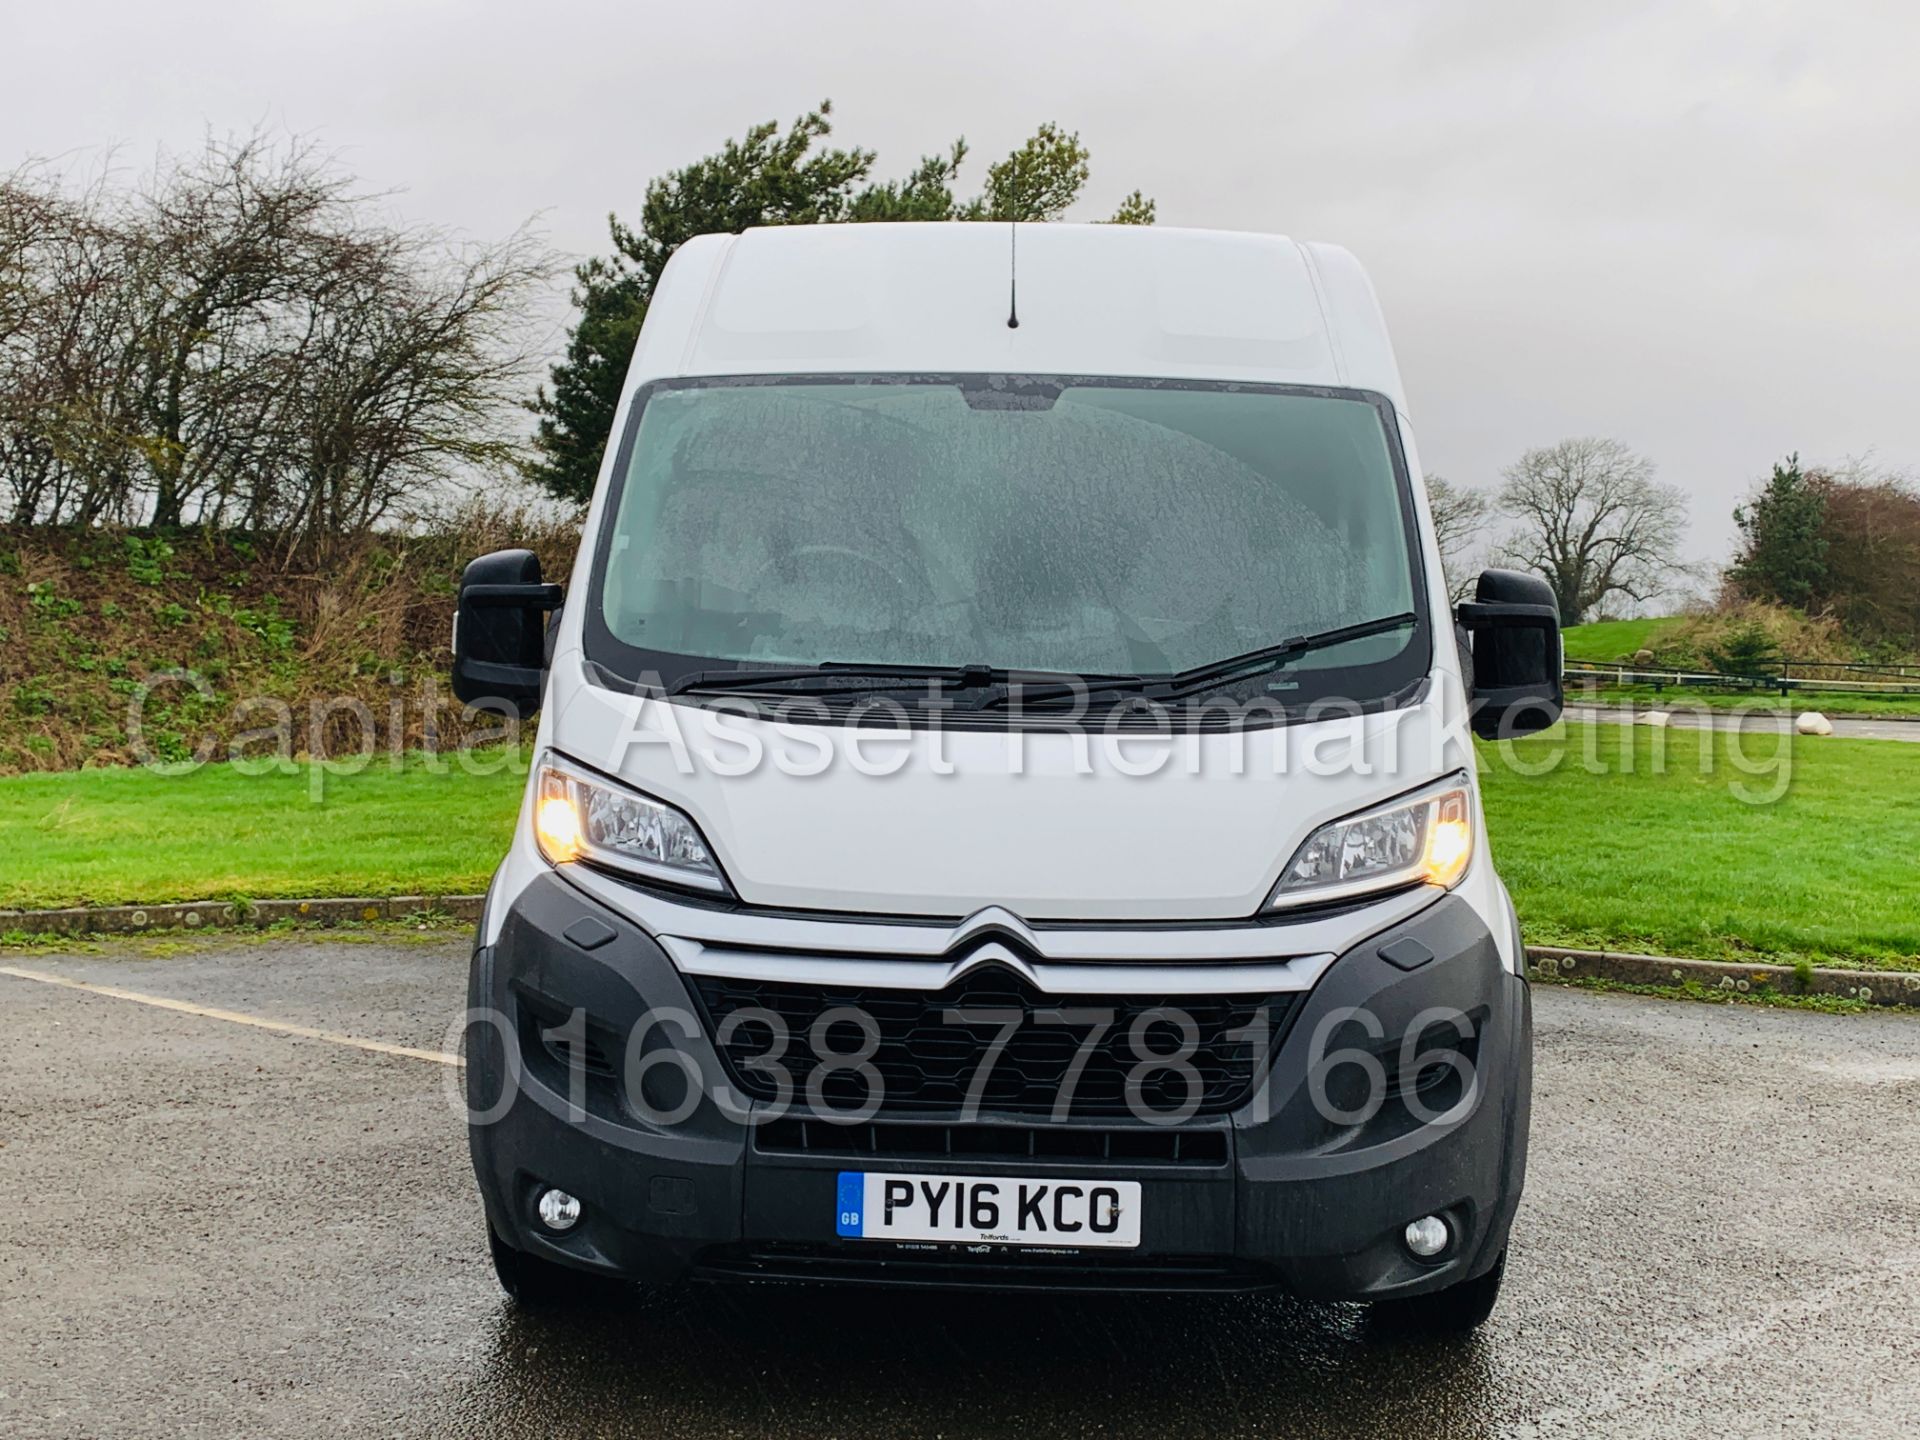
(578,816)
(1427,837)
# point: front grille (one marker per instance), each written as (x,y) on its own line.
(1135,1145)
(929,1059)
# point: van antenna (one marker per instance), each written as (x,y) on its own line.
(1013,273)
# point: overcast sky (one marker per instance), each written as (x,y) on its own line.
(1691,226)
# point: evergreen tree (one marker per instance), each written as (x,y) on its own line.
(765,178)
(1783,554)
(1136,209)
(1036,182)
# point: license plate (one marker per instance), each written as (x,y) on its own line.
(989,1210)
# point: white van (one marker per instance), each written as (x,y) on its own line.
(1003,806)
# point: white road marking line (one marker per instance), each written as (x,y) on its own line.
(233,1017)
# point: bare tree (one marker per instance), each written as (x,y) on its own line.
(30,216)
(1870,519)
(412,365)
(27,214)
(63,447)
(246,340)
(235,240)
(1593,522)
(1459,525)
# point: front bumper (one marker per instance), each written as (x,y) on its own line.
(1306,1183)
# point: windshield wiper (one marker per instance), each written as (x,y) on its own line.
(1273,657)
(843,677)
(1203,677)
(829,678)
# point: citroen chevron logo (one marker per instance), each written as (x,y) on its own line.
(993,936)
(993,922)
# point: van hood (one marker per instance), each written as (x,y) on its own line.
(1050,826)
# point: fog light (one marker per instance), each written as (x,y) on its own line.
(1425,1237)
(560,1211)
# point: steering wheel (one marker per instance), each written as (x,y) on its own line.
(902,603)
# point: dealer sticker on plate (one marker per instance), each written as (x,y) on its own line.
(989,1210)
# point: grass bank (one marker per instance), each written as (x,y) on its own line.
(120,646)
(1632,839)
(1609,640)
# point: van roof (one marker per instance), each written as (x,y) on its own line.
(1092,299)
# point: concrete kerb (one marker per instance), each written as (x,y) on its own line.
(1876,987)
(208,914)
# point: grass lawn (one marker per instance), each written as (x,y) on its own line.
(1677,863)
(1669,862)
(1610,639)
(108,837)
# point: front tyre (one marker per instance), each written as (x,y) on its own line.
(533,1283)
(1456,1310)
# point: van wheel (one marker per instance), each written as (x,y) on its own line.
(531,1282)
(1455,1310)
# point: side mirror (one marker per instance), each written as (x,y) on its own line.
(499,632)
(1515,628)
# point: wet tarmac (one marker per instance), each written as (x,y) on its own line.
(211,1229)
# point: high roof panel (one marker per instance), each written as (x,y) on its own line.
(1092,299)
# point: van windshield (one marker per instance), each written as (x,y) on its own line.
(1024,523)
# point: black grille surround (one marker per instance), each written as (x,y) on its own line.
(986,1143)
(1114,1271)
(928,1059)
